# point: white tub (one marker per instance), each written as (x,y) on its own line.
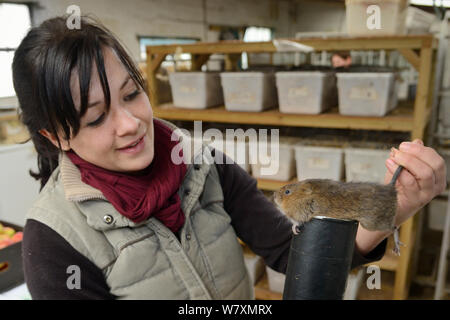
(306,92)
(365,165)
(275,280)
(319,162)
(249,91)
(279,166)
(366,93)
(196,90)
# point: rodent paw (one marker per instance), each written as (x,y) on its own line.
(397,242)
(396,251)
(295,229)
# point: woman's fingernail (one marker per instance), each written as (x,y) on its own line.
(405,145)
(393,152)
(390,163)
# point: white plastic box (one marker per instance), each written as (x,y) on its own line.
(376,17)
(18,189)
(418,21)
(268,166)
(196,90)
(306,92)
(444,110)
(238,150)
(366,93)
(235,149)
(255,266)
(437,211)
(365,165)
(445,153)
(275,280)
(319,162)
(249,91)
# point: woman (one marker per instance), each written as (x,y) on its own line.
(116,211)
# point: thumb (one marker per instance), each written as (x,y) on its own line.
(418,141)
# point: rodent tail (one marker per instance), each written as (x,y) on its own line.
(395,176)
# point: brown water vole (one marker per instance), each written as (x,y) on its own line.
(373,205)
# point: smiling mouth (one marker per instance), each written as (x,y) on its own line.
(132,144)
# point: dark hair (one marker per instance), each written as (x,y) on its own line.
(342,54)
(42,69)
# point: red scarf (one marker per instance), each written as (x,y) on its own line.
(152,193)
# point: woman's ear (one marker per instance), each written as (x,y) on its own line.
(51,137)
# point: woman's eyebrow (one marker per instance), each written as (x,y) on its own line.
(128,78)
(92,104)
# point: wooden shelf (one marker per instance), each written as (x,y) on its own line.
(273,185)
(8,115)
(317,44)
(418,50)
(400,119)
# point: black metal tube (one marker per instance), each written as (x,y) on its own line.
(320,258)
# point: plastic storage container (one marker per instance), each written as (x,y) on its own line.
(437,211)
(281,168)
(366,93)
(376,17)
(249,91)
(255,266)
(275,280)
(445,153)
(444,110)
(418,21)
(365,165)
(237,150)
(196,90)
(18,191)
(319,162)
(306,92)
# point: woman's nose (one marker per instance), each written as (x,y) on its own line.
(126,123)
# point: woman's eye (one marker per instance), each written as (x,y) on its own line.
(97,121)
(132,95)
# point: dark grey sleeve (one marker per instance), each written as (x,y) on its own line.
(46,256)
(260,224)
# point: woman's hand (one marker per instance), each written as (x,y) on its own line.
(424,178)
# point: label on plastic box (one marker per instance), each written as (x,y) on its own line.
(298,92)
(186,89)
(363,93)
(361,167)
(243,97)
(318,163)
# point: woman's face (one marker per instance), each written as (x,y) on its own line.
(121,139)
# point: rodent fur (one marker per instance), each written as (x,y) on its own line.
(373,205)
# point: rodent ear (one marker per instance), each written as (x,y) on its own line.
(307,190)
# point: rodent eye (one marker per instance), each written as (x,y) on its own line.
(287,192)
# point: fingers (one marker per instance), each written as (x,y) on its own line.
(430,157)
(422,172)
(405,178)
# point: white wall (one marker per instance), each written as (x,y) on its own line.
(18,189)
(185,18)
